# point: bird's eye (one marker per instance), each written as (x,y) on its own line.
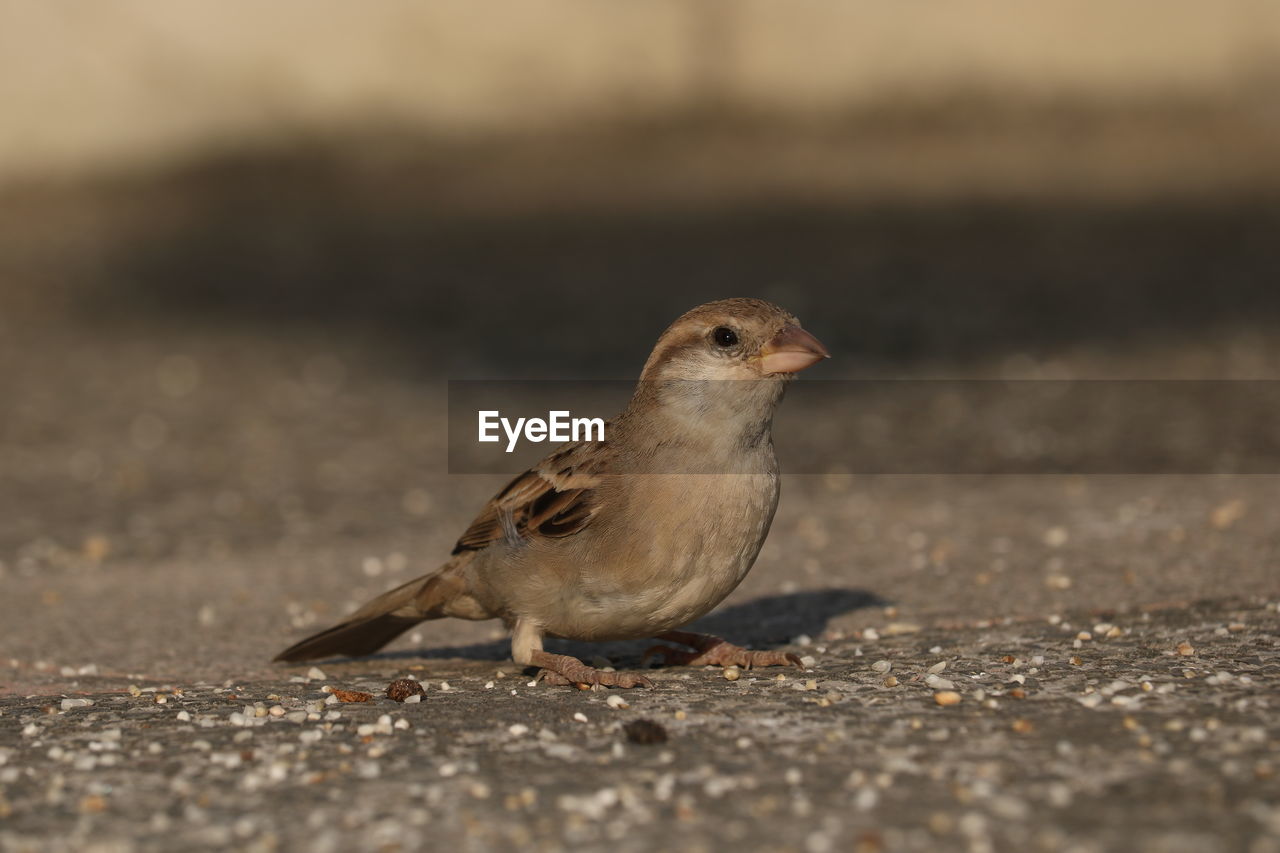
(724,336)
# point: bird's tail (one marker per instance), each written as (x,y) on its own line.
(378,622)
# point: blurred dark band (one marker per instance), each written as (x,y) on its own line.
(932,426)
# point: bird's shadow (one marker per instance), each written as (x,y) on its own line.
(762,623)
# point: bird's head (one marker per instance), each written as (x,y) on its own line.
(733,339)
(718,372)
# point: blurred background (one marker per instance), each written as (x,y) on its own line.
(242,246)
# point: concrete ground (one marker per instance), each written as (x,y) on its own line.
(1030,662)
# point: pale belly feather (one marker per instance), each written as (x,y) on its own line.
(665,572)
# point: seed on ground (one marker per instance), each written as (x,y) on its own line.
(352,696)
(402,688)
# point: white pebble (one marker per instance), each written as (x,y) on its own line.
(616,701)
(518,730)
(881,666)
(315,674)
(938,667)
(1056,537)
(579,716)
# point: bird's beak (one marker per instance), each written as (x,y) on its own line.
(790,351)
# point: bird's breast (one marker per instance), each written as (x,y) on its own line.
(681,544)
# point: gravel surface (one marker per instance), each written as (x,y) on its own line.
(1156,730)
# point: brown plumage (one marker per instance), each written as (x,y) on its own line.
(634,536)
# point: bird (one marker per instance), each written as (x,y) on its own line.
(633,536)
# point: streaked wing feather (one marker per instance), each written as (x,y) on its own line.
(555,498)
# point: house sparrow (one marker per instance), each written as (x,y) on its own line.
(625,538)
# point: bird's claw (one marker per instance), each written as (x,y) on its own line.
(589,678)
(721,653)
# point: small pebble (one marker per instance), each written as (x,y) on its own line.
(881,666)
(1186,649)
(645,732)
(315,674)
(946,698)
(732,673)
(616,701)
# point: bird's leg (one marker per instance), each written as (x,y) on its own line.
(526,650)
(713,651)
(563,669)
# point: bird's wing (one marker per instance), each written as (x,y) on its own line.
(555,498)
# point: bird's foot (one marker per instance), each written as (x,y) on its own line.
(564,670)
(713,651)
